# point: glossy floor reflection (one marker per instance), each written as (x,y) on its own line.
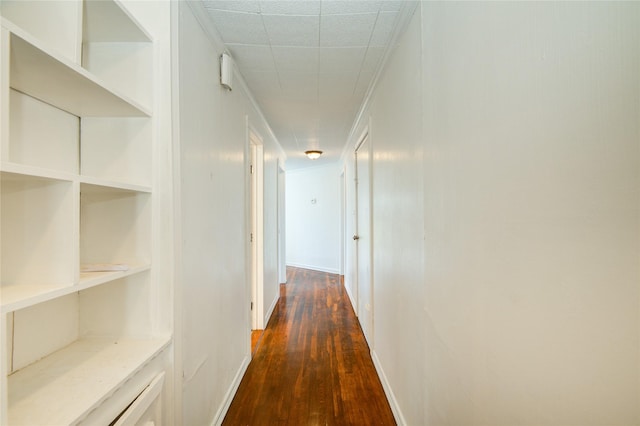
(312,366)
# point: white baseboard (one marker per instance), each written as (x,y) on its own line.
(271,308)
(231,392)
(314,267)
(351,299)
(395,408)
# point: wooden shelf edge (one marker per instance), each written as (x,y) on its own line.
(36,172)
(109,184)
(19,296)
(92,279)
(51,174)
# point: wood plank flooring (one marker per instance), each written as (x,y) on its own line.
(256,337)
(312,366)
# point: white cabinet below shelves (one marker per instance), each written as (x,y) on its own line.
(58,383)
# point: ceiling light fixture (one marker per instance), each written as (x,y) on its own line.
(313,154)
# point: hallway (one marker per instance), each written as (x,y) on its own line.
(312,366)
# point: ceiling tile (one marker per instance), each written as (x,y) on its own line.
(391,5)
(346,30)
(277,7)
(307,131)
(304,110)
(383,29)
(286,138)
(233,5)
(364,80)
(336,87)
(342,7)
(296,59)
(333,115)
(292,30)
(252,57)
(299,86)
(262,83)
(341,59)
(336,127)
(372,59)
(241,28)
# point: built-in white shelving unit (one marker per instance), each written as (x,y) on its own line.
(81,338)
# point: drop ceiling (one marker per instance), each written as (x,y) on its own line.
(308,63)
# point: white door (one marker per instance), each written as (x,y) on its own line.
(363,239)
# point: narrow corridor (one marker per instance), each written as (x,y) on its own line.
(312,366)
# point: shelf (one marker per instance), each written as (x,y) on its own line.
(115,225)
(16,297)
(38,231)
(77,175)
(106,21)
(66,385)
(51,144)
(55,23)
(22,296)
(96,185)
(92,279)
(117,149)
(62,83)
(126,67)
(20,171)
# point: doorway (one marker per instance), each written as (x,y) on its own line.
(362,237)
(256,232)
(282,251)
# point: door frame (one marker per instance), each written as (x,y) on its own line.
(343,222)
(255,228)
(282,224)
(365,137)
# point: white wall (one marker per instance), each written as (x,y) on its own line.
(313,218)
(506,188)
(212,285)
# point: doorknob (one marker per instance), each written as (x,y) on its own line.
(356,237)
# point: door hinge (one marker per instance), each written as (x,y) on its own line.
(252,306)
(251,237)
(251,168)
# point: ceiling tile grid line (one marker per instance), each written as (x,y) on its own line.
(390,24)
(304,7)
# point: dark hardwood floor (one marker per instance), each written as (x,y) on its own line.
(256,337)
(312,366)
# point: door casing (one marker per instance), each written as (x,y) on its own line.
(364,268)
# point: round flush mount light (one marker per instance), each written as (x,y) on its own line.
(313,154)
